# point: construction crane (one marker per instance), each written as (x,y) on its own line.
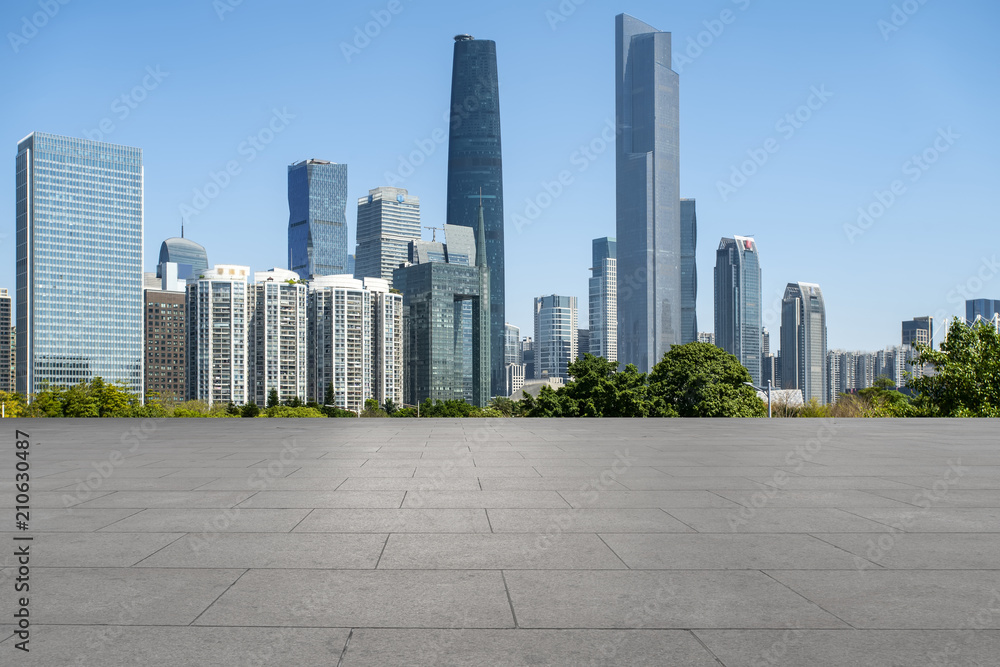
(434,232)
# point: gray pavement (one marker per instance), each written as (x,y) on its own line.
(507,542)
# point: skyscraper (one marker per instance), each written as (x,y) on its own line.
(217,314)
(79,263)
(650,295)
(603,303)
(165,368)
(317,218)
(737,302)
(919,330)
(5,310)
(689,271)
(475,172)
(555,335)
(512,345)
(803,341)
(388,219)
(987,309)
(278,334)
(190,257)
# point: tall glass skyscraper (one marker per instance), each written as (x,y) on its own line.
(317,218)
(603,303)
(388,219)
(475,172)
(648,195)
(190,257)
(79,262)
(689,272)
(985,308)
(803,341)
(738,302)
(555,335)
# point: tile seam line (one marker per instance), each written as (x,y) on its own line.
(510,601)
(816,604)
(179,537)
(698,639)
(212,603)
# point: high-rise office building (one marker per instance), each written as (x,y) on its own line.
(603,301)
(918,331)
(475,172)
(388,219)
(706,337)
(582,342)
(765,342)
(738,302)
(190,257)
(5,313)
(165,368)
(217,320)
(512,345)
(689,271)
(436,282)
(317,218)
(803,341)
(555,335)
(648,195)
(832,377)
(355,342)
(278,335)
(13,359)
(986,309)
(528,358)
(79,263)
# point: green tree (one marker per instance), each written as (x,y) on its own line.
(78,402)
(966,377)
(390,407)
(372,409)
(702,380)
(47,403)
(112,400)
(272,398)
(330,398)
(503,405)
(882,400)
(250,410)
(13,404)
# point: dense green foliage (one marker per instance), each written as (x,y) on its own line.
(966,377)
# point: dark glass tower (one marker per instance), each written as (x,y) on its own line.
(738,302)
(689,271)
(648,195)
(475,167)
(317,218)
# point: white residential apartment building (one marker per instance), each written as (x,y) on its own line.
(278,338)
(217,308)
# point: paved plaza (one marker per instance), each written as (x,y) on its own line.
(390,542)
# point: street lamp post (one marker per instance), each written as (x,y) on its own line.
(767,390)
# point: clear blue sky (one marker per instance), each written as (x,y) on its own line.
(891,94)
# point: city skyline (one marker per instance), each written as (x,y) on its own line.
(201,142)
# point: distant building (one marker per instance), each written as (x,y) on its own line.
(191,258)
(706,337)
(165,336)
(79,221)
(512,345)
(582,342)
(738,302)
(217,319)
(515,378)
(13,358)
(5,341)
(534,387)
(918,331)
(689,271)
(317,218)
(278,336)
(770,371)
(388,219)
(438,278)
(528,358)
(556,335)
(603,300)
(355,342)
(803,341)
(986,309)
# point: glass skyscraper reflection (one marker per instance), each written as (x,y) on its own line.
(317,218)
(803,340)
(475,172)
(648,195)
(79,222)
(738,303)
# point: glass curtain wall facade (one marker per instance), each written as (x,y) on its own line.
(555,335)
(317,218)
(217,311)
(79,219)
(738,318)
(689,271)
(648,195)
(475,172)
(986,309)
(803,341)
(278,337)
(603,300)
(191,258)
(388,219)
(512,345)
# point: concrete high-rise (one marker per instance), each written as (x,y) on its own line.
(603,300)
(555,335)
(165,367)
(803,341)
(689,271)
(317,218)
(512,345)
(737,302)
(918,331)
(650,294)
(388,219)
(79,218)
(475,172)
(5,314)
(217,319)
(278,335)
